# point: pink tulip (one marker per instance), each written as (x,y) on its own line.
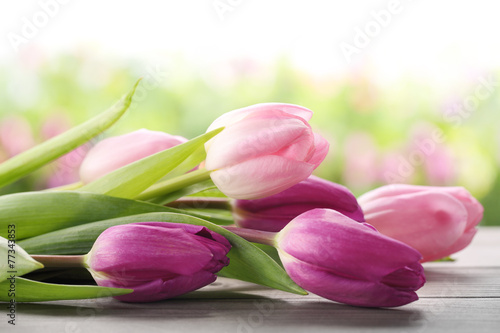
(338,258)
(66,168)
(436,221)
(113,153)
(275,212)
(263,150)
(15,135)
(157,260)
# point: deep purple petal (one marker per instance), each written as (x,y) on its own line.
(345,289)
(160,289)
(142,251)
(328,239)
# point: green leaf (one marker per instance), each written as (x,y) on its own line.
(15,259)
(36,213)
(247,262)
(198,156)
(185,191)
(33,291)
(132,179)
(36,157)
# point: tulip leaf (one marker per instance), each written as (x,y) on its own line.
(185,191)
(132,179)
(13,259)
(36,213)
(25,290)
(247,262)
(198,156)
(36,157)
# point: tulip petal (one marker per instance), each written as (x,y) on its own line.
(262,133)
(247,181)
(459,245)
(215,243)
(429,221)
(274,212)
(336,242)
(113,153)
(121,253)
(160,289)
(237,115)
(391,191)
(409,278)
(474,208)
(345,289)
(321,147)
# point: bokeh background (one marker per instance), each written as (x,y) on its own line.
(405,91)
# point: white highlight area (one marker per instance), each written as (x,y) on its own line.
(440,41)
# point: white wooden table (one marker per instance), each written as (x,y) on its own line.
(460,296)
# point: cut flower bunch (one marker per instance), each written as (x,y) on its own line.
(155,216)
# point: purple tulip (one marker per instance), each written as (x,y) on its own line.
(113,153)
(346,261)
(275,212)
(158,260)
(437,221)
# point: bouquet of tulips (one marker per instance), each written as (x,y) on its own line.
(155,216)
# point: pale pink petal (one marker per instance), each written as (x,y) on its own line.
(474,208)
(262,133)
(237,115)
(429,221)
(321,147)
(116,152)
(459,245)
(247,180)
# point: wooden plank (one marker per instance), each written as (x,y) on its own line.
(461,282)
(460,296)
(265,315)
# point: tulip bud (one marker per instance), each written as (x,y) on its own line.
(263,150)
(436,221)
(346,261)
(115,152)
(15,259)
(273,213)
(158,260)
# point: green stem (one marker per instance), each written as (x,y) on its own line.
(60,261)
(255,236)
(201,202)
(174,184)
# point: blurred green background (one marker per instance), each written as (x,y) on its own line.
(404,132)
